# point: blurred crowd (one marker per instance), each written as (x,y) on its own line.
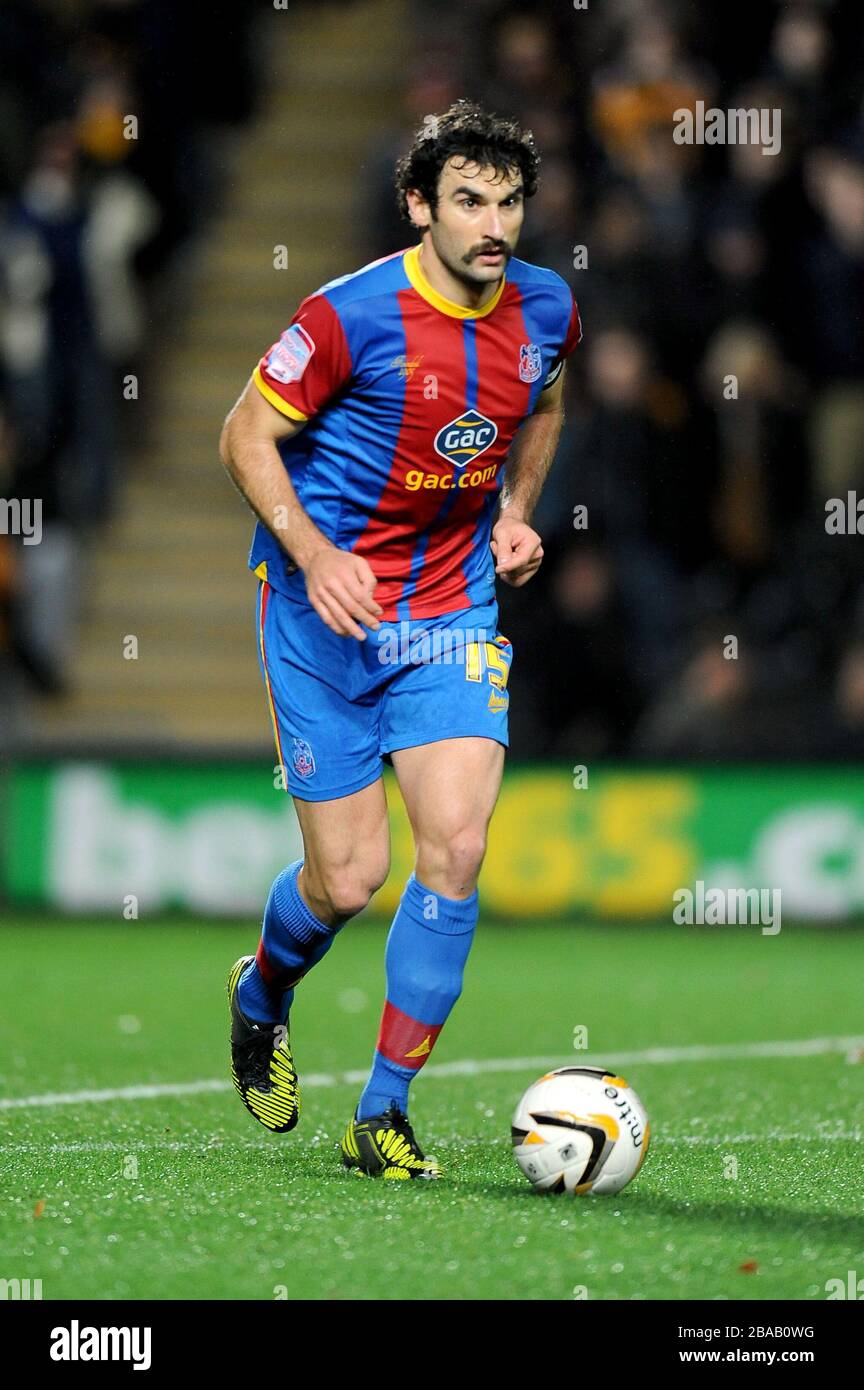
(692,603)
(697,608)
(113,141)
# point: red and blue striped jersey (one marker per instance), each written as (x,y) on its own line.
(411,403)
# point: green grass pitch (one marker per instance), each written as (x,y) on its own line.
(183,1196)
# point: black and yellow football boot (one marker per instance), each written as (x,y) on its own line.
(262,1067)
(384,1146)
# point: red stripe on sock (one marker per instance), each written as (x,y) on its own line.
(400,1035)
(279,979)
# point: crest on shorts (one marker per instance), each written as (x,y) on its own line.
(530,362)
(304,758)
(288,359)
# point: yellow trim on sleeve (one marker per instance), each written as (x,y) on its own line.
(411,262)
(270,395)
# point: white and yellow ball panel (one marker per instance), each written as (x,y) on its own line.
(580,1130)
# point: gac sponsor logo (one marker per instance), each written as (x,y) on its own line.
(415,478)
(465,437)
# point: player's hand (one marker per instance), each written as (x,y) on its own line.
(518,550)
(341,589)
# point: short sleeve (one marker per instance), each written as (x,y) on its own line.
(309,364)
(572,339)
(574,332)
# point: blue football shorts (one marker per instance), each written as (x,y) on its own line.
(339,706)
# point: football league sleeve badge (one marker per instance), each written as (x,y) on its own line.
(289,358)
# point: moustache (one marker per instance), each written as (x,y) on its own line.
(501,247)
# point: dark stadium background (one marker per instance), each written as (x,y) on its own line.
(704,517)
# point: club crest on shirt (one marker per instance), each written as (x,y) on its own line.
(530,362)
(466,437)
(304,758)
(289,358)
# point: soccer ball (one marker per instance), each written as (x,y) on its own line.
(580,1130)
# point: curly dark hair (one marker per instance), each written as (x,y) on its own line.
(465,128)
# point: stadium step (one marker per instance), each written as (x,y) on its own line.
(170,566)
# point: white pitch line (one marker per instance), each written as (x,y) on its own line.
(652,1056)
(203,1146)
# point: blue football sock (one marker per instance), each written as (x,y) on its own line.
(425,959)
(292,941)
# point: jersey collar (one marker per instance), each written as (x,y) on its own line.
(411,261)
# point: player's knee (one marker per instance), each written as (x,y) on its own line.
(347,897)
(458,857)
(349,889)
